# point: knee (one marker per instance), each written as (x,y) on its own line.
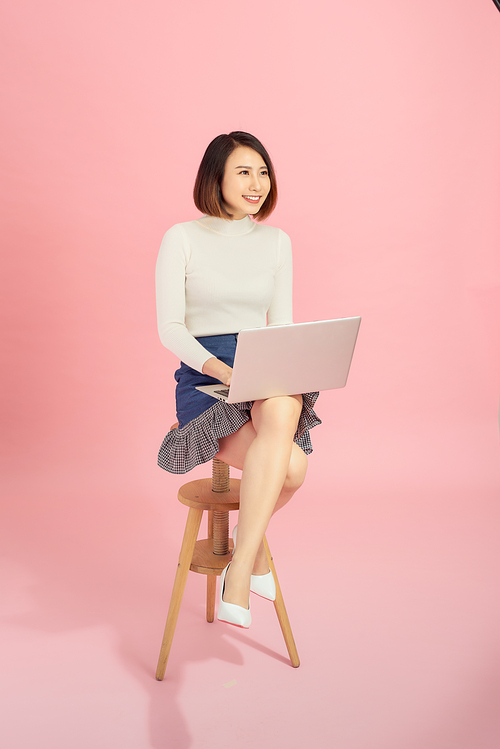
(282,411)
(297,470)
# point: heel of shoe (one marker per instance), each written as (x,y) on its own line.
(264,586)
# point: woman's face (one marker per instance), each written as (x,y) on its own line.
(246,183)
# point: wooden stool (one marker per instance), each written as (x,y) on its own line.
(209,556)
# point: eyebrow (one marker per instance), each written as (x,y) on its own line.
(249,167)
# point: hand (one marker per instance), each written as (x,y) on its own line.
(216,368)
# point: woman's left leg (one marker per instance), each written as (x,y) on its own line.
(265,469)
(233,449)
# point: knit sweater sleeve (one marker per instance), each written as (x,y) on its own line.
(280,311)
(170,277)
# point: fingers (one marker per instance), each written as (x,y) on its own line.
(216,368)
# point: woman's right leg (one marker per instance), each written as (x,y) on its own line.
(264,476)
(233,450)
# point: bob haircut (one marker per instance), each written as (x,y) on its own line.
(207,188)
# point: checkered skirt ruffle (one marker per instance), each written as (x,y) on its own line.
(197,441)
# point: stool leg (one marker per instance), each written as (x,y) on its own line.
(186,555)
(218,531)
(211,588)
(211,582)
(279,605)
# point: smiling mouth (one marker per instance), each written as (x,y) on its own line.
(252,198)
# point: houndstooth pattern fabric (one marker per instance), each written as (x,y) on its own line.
(197,442)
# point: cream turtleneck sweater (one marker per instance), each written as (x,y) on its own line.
(215,276)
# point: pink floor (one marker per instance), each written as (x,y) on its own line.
(393,602)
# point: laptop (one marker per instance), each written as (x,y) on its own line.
(289,359)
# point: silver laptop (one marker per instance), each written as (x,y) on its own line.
(289,359)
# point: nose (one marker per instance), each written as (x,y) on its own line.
(255,183)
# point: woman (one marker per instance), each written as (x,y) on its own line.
(215,276)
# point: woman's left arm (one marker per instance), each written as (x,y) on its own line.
(280,311)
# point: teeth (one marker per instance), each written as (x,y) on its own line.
(252,197)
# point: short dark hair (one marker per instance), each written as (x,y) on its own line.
(207,188)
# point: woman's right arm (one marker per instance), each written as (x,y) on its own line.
(170,277)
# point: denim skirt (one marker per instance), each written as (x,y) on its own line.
(203,420)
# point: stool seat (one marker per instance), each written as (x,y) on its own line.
(200,494)
(217,496)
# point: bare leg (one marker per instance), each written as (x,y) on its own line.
(294,480)
(233,450)
(265,469)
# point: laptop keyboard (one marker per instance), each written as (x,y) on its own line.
(222,392)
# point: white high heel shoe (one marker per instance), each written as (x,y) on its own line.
(230,612)
(262,585)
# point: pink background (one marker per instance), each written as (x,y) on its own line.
(383,121)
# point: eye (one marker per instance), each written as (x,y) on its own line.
(243,171)
(264,173)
